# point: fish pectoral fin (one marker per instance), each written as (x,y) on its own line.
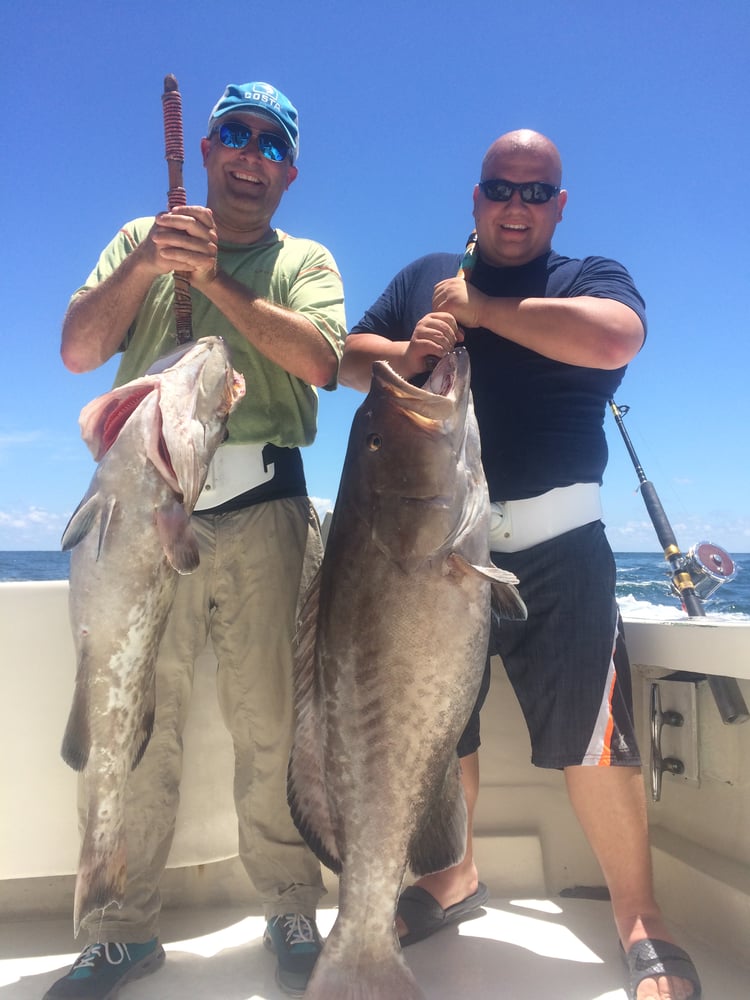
(440,839)
(177,537)
(506,601)
(491,572)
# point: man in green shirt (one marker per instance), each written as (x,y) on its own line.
(278,303)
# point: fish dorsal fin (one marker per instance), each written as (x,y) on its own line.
(177,537)
(92,509)
(306,789)
(440,840)
(82,520)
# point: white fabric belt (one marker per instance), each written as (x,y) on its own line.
(516,525)
(234,469)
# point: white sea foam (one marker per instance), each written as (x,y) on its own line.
(631,607)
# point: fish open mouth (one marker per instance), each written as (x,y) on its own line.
(445,382)
(443,377)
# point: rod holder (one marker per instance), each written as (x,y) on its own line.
(729,701)
(727,695)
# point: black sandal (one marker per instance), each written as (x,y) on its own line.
(423,915)
(650,958)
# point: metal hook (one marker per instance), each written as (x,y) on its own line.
(661,764)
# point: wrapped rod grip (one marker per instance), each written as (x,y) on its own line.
(174,153)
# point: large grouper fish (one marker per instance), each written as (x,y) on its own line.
(391,646)
(131,538)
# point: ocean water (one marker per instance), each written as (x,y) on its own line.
(38,565)
(644,589)
(643,583)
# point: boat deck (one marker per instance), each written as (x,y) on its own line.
(516,950)
(527,841)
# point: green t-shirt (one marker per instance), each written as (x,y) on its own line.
(296,273)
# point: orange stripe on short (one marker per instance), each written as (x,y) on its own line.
(605,760)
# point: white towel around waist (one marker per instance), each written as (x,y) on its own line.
(234,469)
(516,525)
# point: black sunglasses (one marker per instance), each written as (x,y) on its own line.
(235,135)
(532,192)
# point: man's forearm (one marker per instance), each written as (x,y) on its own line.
(282,335)
(97,321)
(585,331)
(360,350)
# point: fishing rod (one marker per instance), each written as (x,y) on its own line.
(469,258)
(695,577)
(464,271)
(174,153)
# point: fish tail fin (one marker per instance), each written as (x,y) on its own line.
(102,873)
(387,978)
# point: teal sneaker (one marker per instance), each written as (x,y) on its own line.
(295,941)
(101,969)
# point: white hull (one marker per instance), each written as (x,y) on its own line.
(528,844)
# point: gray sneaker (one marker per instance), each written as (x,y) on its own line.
(295,941)
(101,969)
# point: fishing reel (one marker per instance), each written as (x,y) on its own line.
(708,566)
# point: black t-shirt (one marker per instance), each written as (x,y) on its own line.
(540,421)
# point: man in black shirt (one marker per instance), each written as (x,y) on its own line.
(549,338)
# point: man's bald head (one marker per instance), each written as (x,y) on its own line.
(525,143)
(513,232)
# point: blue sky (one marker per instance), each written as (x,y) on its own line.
(398,101)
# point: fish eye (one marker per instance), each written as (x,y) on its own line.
(374,442)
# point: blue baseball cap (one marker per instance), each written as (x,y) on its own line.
(261,99)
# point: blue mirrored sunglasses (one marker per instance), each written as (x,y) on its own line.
(531,192)
(235,135)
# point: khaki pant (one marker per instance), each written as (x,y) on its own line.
(244,593)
